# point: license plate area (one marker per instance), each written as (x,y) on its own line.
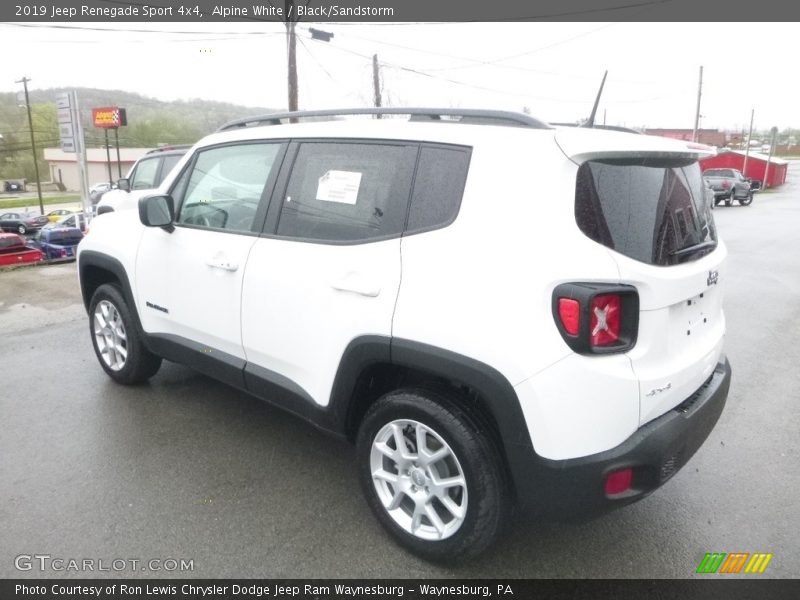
(691,317)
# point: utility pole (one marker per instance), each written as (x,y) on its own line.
(747,147)
(376,82)
(769,158)
(697,112)
(291,54)
(24,81)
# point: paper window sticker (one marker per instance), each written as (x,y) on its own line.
(339,186)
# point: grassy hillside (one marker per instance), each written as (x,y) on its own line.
(151,122)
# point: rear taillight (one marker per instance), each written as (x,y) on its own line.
(597,318)
(569,311)
(604,324)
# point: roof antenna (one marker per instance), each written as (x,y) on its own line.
(590,121)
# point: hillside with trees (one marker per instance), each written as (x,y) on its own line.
(151,123)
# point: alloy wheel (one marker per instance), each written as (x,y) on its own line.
(109,333)
(418,479)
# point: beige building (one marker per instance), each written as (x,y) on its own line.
(64,166)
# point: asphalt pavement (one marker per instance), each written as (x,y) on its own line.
(187,468)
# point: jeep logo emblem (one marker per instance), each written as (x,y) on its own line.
(713,277)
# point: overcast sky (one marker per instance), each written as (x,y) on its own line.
(554,69)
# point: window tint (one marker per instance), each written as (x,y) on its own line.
(65,238)
(169,163)
(347,192)
(651,211)
(145,176)
(438,187)
(225,185)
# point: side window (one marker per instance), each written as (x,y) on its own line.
(144,177)
(224,185)
(347,192)
(169,163)
(438,187)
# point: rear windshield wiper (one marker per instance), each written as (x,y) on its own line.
(694,248)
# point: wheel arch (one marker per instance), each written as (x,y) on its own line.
(373,365)
(96,269)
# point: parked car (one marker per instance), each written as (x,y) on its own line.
(13,250)
(55,215)
(12,186)
(403,285)
(22,222)
(144,177)
(97,190)
(57,242)
(77,220)
(729,185)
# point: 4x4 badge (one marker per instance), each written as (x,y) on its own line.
(713,277)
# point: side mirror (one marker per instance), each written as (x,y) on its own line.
(157,211)
(124,184)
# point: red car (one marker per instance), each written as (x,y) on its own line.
(13,250)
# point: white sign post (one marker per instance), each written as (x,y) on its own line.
(72,140)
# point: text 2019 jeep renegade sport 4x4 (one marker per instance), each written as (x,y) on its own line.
(411,285)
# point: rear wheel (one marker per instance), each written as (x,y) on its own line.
(22,230)
(433,478)
(116,339)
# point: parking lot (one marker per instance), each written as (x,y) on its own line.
(187,468)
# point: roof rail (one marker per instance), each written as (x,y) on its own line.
(465,115)
(169,147)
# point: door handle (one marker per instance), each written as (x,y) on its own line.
(219,261)
(357,284)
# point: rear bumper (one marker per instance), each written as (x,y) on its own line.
(655,452)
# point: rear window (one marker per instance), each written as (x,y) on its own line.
(653,211)
(68,238)
(718,173)
(10,242)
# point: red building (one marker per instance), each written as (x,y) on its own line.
(712,137)
(756,165)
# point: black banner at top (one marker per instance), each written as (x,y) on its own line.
(64,11)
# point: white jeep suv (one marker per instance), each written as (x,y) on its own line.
(144,177)
(487,340)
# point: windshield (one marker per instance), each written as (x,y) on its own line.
(653,211)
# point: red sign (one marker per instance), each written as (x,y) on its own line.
(109,117)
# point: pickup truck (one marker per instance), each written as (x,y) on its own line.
(729,185)
(13,251)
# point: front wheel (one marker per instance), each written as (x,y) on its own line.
(431,475)
(22,230)
(116,339)
(747,200)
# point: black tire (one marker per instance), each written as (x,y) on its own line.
(22,230)
(729,201)
(747,200)
(140,364)
(486,487)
